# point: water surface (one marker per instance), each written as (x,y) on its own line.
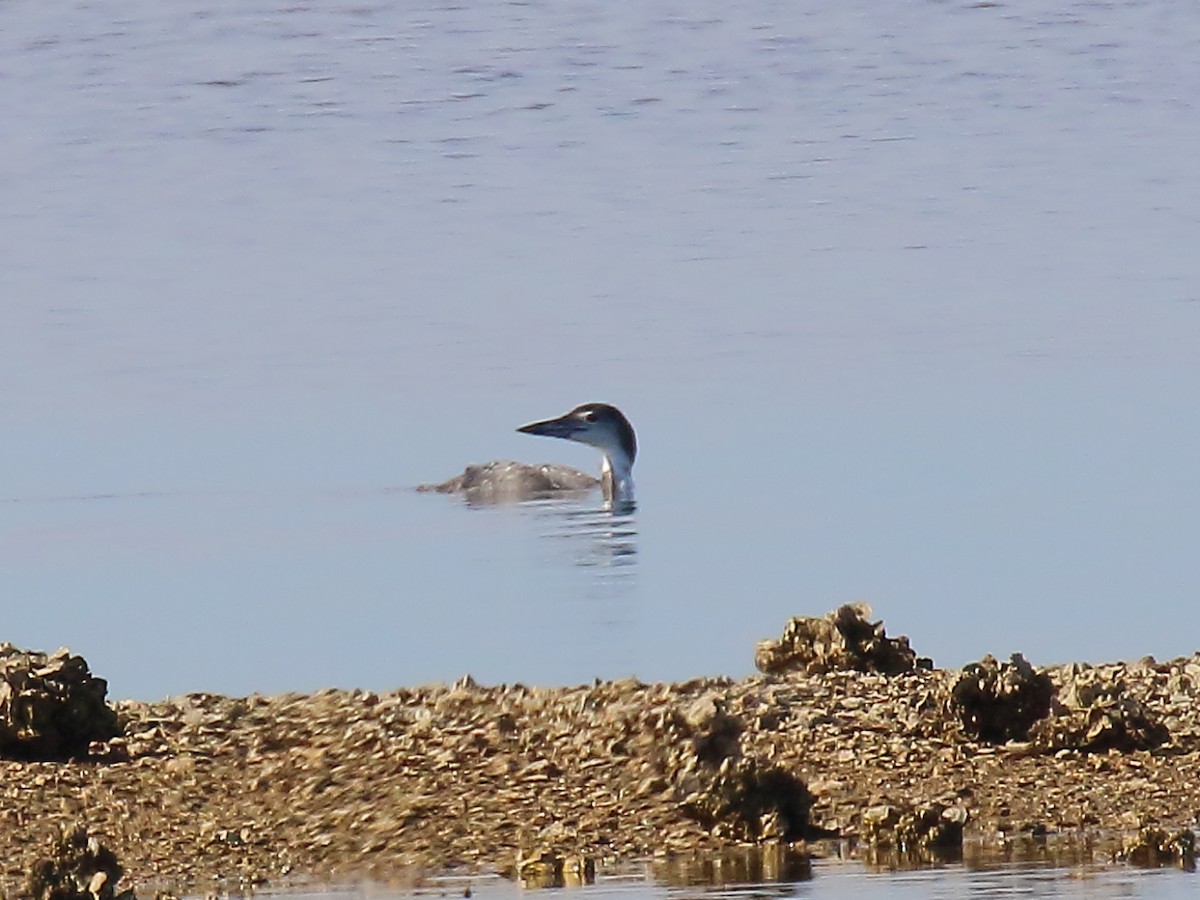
(900,295)
(843,881)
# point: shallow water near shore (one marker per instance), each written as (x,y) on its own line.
(901,297)
(843,880)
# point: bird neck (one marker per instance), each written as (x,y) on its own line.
(616,478)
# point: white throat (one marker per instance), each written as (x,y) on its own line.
(616,479)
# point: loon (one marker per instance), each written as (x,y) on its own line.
(599,425)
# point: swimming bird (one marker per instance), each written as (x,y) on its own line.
(599,425)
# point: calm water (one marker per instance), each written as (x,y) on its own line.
(903,298)
(843,881)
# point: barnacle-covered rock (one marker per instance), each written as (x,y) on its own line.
(845,639)
(914,829)
(998,702)
(79,867)
(1154,846)
(547,867)
(51,707)
(749,801)
(1095,714)
(755,865)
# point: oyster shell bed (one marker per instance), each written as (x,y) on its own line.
(77,867)
(205,790)
(51,706)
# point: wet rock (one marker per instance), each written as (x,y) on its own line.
(550,868)
(51,707)
(845,639)
(1154,846)
(999,702)
(755,865)
(78,867)
(1095,714)
(749,801)
(915,828)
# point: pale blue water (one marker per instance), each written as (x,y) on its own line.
(842,881)
(903,298)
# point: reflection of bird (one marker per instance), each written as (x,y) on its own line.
(596,424)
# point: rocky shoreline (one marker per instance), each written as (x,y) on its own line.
(206,792)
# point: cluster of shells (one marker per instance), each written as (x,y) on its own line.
(51,706)
(888,754)
(846,639)
(77,867)
(1094,712)
(999,702)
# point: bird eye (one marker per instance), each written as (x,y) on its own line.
(588,416)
